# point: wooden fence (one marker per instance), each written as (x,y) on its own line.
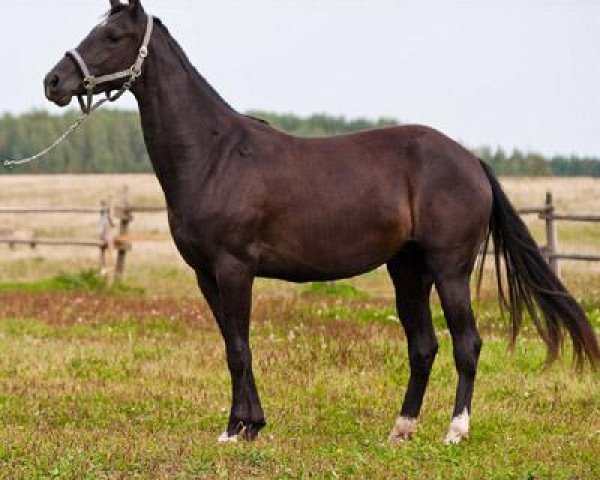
(119,217)
(551,251)
(124,213)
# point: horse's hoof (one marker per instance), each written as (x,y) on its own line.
(226,438)
(403,430)
(459,429)
(455,439)
(250,433)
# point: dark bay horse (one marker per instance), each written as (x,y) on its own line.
(245,200)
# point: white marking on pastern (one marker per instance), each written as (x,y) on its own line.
(459,428)
(225,438)
(403,430)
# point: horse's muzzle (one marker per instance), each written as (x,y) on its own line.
(61,83)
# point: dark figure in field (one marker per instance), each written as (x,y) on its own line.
(245,200)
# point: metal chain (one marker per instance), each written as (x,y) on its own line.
(58,141)
(80,121)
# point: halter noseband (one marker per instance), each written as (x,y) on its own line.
(90,82)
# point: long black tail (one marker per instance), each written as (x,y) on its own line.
(531,284)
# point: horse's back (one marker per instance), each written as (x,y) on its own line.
(349,203)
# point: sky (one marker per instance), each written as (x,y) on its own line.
(522,74)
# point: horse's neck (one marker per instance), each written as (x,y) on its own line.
(180,112)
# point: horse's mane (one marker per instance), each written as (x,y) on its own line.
(189,67)
(182,57)
(186,64)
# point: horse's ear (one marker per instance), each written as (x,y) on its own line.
(135,5)
(114,3)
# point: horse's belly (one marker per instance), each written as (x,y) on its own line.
(332,251)
(304,273)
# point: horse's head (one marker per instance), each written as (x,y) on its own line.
(112,46)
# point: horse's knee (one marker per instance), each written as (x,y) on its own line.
(422,356)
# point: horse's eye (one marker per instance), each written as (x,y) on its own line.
(113,37)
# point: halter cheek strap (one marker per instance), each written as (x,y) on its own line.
(90,82)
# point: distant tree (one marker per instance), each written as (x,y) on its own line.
(112,142)
(319,124)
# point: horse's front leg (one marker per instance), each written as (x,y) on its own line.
(230,297)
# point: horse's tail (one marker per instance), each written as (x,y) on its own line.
(531,284)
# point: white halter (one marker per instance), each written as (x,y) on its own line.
(131,74)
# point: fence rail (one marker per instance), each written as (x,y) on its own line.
(36,210)
(124,212)
(56,242)
(578,218)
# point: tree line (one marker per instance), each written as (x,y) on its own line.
(112,142)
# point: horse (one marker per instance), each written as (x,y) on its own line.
(245,200)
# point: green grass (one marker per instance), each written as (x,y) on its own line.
(146,396)
(83,281)
(335,289)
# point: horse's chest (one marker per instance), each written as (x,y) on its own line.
(189,238)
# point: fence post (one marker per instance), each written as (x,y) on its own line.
(122,245)
(551,235)
(103,226)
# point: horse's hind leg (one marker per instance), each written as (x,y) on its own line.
(453,289)
(413,284)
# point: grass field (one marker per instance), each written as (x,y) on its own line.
(122,386)
(132,382)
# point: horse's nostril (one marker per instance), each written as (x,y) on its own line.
(51,85)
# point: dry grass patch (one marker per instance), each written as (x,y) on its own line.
(156,265)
